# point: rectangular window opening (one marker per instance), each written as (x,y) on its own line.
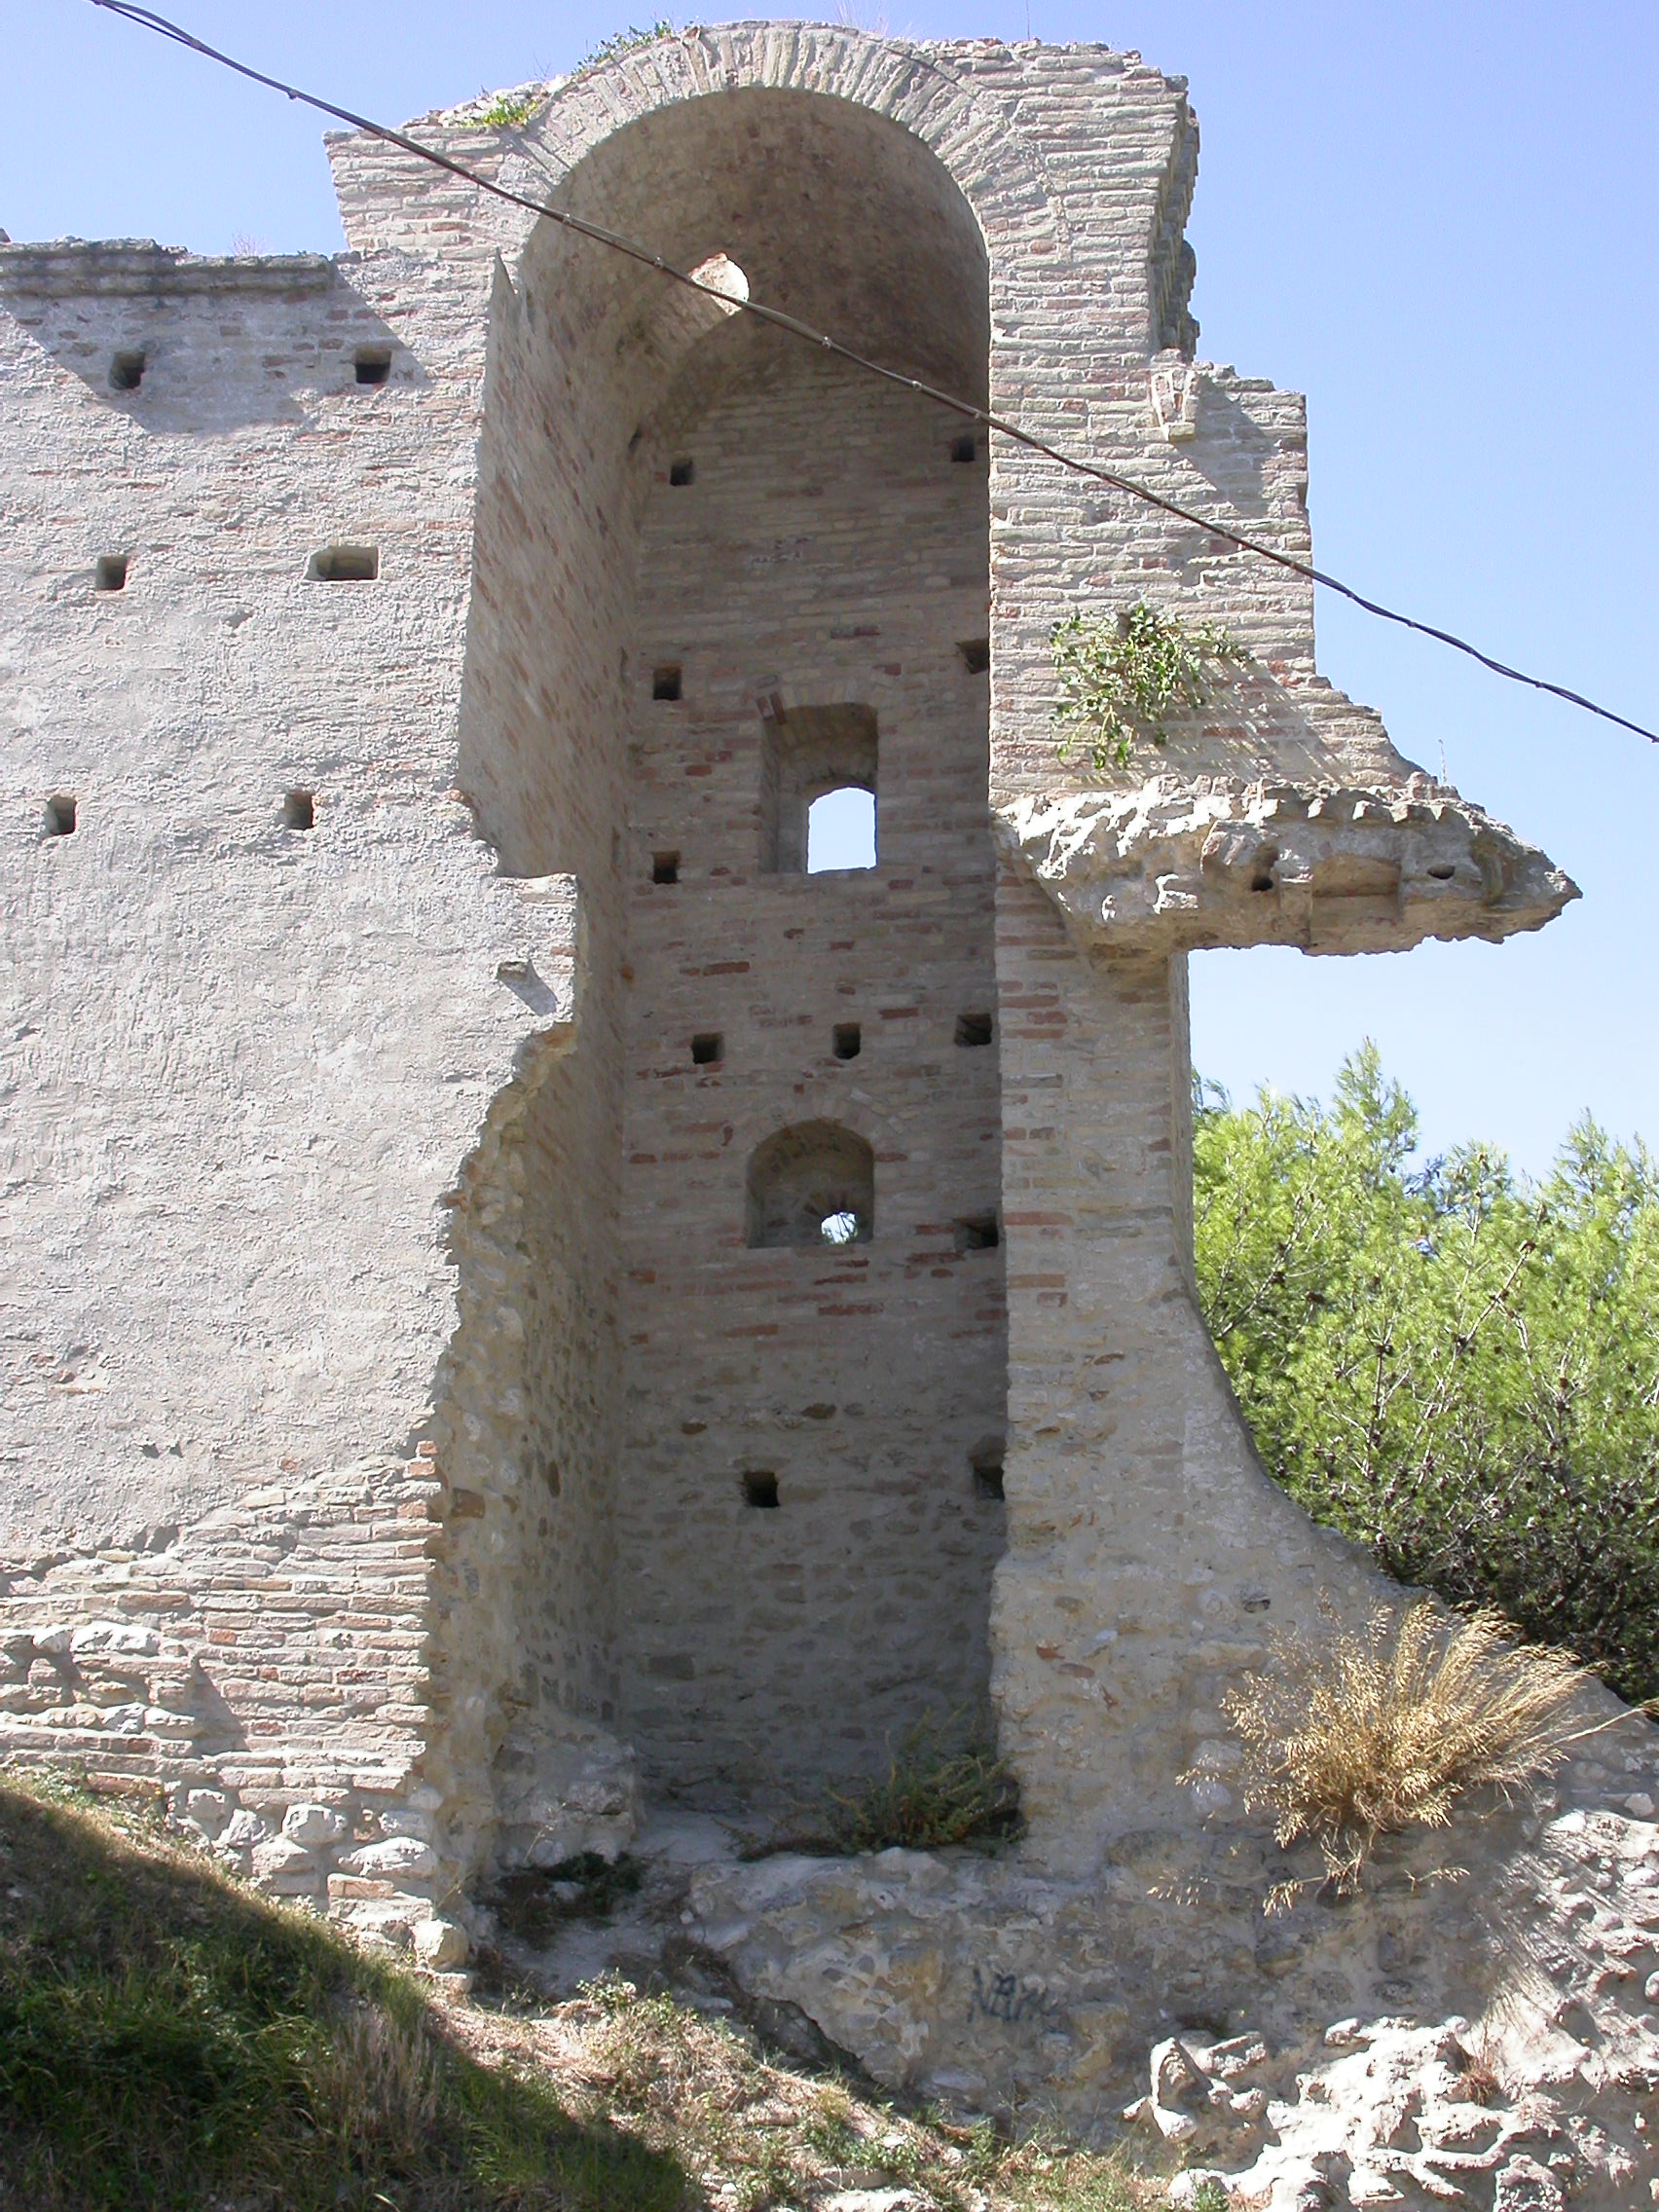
(973,1029)
(987,1474)
(344,564)
(848,1041)
(965,448)
(665,680)
(299,811)
(760,1490)
(110,573)
(373,363)
(978,1232)
(61,815)
(127,369)
(665,868)
(682,473)
(975,654)
(708,1049)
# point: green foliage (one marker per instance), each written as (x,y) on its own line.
(1455,1365)
(932,1797)
(1120,680)
(505,112)
(169,2041)
(623,42)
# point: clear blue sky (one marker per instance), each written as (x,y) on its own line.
(1441,222)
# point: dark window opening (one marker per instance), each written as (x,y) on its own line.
(813,1185)
(965,448)
(126,370)
(681,471)
(665,680)
(978,1232)
(344,564)
(973,1029)
(61,815)
(987,1466)
(760,1489)
(373,363)
(110,573)
(708,1049)
(848,1043)
(299,811)
(665,868)
(975,654)
(1261,883)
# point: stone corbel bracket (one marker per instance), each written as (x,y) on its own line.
(1178,866)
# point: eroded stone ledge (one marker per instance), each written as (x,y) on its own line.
(1176,867)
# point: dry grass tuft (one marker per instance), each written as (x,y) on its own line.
(1386,1729)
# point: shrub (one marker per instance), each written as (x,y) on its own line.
(1455,1365)
(1386,1729)
(1121,679)
(932,1797)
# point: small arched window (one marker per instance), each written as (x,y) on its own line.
(840,829)
(811,1185)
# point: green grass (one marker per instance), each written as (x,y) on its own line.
(167,2038)
(171,2042)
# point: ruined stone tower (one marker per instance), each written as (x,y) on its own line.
(525,1300)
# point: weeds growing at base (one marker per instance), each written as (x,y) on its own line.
(1386,1728)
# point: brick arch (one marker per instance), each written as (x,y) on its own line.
(997,168)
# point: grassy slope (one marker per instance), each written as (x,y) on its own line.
(169,2039)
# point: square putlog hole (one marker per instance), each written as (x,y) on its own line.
(109,573)
(848,1040)
(975,654)
(344,564)
(708,1049)
(973,1030)
(978,1232)
(127,369)
(665,680)
(987,1466)
(760,1490)
(299,811)
(372,363)
(665,868)
(61,815)
(682,473)
(965,448)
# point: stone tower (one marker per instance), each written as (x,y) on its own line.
(524,1298)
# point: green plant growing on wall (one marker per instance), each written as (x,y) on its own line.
(505,112)
(624,41)
(1122,678)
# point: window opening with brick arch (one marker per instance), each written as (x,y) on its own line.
(811,1185)
(818,782)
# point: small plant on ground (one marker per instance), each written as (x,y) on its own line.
(931,1797)
(1385,1729)
(533,1902)
(1122,678)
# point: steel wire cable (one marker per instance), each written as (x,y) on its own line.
(147,20)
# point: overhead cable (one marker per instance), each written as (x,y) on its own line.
(147,20)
